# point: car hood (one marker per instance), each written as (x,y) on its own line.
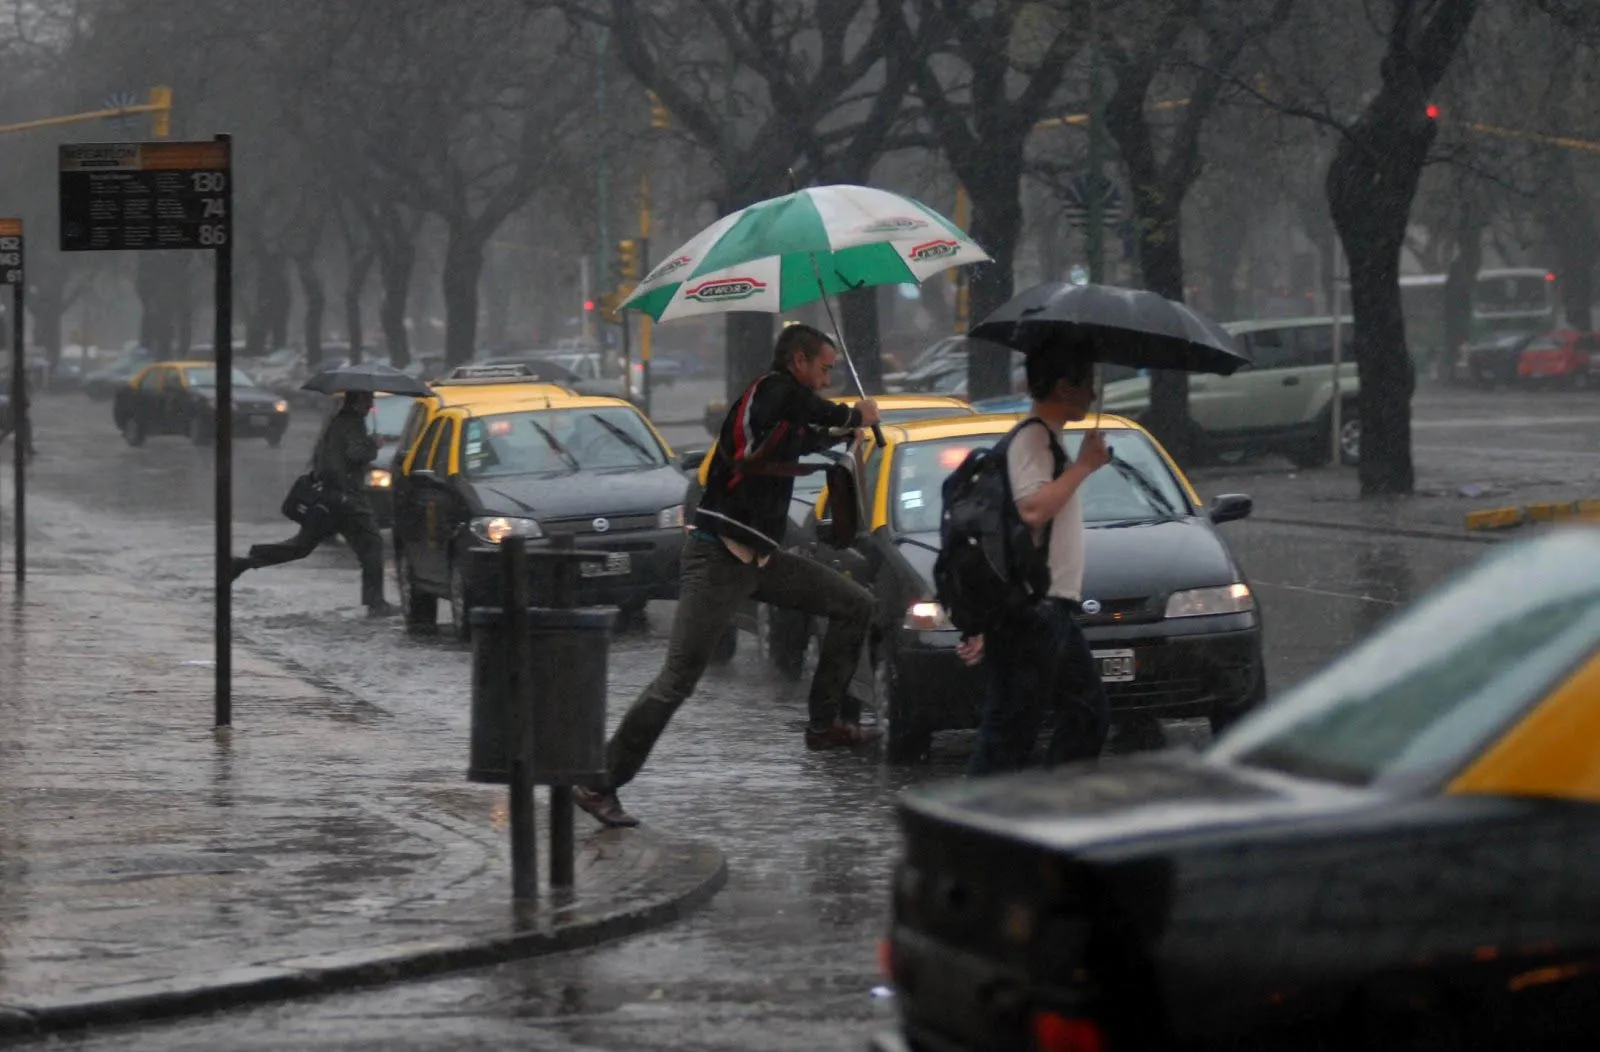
(585,493)
(1121,802)
(1126,562)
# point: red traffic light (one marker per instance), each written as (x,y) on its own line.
(1549,275)
(1432,111)
(588,304)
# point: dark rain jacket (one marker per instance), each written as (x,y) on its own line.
(343,454)
(775,422)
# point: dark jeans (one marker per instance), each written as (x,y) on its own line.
(1040,658)
(714,583)
(360,529)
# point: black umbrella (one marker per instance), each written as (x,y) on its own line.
(366,377)
(1129,327)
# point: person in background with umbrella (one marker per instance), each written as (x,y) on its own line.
(340,460)
(1041,655)
(734,553)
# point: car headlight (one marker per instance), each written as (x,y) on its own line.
(670,518)
(925,615)
(280,406)
(1199,602)
(497,528)
(379,478)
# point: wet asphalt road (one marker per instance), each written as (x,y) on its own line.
(784,957)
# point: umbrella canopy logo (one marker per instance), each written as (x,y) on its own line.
(930,250)
(892,225)
(667,267)
(722,290)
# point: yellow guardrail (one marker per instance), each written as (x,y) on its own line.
(1527,514)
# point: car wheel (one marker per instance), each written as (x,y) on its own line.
(908,740)
(783,641)
(1350,436)
(275,438)
(421,609)
(726,647)
(460,609)
(132,432)
(199,433)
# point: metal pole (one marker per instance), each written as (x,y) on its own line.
(21,425)
(1336,409)
(645,330)
(524,832)
(1094,243)
(563,838)
(960,274)
(222,341)
(602,171)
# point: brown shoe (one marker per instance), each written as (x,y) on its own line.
(842,736)
(604,808)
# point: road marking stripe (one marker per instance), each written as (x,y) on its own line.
(1507,421)
(1324,592)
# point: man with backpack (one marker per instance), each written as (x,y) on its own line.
(734,552)
(1021,625)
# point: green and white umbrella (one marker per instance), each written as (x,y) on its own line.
(788,251)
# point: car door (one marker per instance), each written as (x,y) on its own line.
(144,398)
(1264,395)
(179,402)
(422,501)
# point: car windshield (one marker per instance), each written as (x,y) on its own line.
(559,441)
(1411,706)
(206,376)
(1544,343)
(1143,491)
(389,414)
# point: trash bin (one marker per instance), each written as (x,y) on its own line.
(570,651)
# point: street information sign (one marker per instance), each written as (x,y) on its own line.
(170,195)
(12,273)
(150,195)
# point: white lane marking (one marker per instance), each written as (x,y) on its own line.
(1323,591)
(1491,422)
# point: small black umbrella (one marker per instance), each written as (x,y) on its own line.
(1129,327)
(366,377)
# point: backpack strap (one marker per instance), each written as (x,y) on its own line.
(1057,454)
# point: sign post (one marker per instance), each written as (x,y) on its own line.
(170,195)
(12,273)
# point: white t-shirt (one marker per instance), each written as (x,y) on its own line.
(1032,465)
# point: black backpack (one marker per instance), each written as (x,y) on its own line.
(988,565)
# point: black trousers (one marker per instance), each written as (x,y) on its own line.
(360,530)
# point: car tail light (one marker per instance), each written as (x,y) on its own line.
(1053,1032)
(886,959)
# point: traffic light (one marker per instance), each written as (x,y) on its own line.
(660,117)
(160,112)
(628,259)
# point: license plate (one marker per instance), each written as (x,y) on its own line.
(258,421)
(1116,666)
(616,564)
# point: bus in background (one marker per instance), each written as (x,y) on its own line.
(1505,301)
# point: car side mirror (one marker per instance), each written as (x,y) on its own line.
(690,460)
(1230,507)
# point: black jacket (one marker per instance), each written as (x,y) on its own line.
(769,427)
(343,454)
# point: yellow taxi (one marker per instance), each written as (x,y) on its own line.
(180,398)
(1166,608)
(525,467)
(1400,852)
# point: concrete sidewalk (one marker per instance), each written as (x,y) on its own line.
(150,866)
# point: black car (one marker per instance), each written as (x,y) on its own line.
(1166,608)
(589,468)
(180,398)
(1492,360)
(1402,852)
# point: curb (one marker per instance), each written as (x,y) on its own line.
(1385,531)
(1525,514)
(692,872)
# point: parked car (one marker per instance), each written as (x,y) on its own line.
(590,468)
(1169,613)
(1281,403)
(1399,853)
(1493,360)
(179,398)
(1565,355)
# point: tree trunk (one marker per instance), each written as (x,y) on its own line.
(997,227)
(316,302)
(859,318)
(47,306)
(1570,221)
(396,262)
(268,325)
(152,282)
(463,269)
(355,282)
(1157,219)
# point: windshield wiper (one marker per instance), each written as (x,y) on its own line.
(1142,482)
(556,447)
(625,438)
